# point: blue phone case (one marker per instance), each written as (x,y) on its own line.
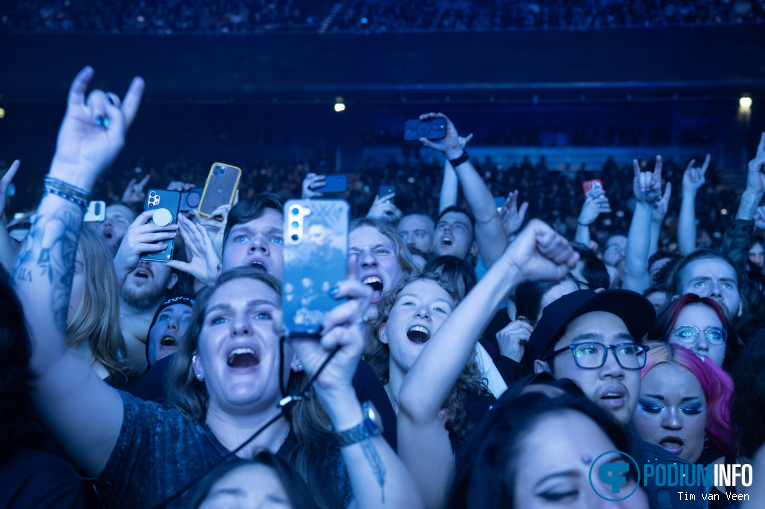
(170,200)
(315,260)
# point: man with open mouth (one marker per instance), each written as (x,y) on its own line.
(382,257)
(254,235)
(594,339)
(112,230)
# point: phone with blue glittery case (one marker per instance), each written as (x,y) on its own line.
(157,199)
(315,261)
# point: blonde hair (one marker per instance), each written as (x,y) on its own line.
(97,319)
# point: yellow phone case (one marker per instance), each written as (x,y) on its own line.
(220,188)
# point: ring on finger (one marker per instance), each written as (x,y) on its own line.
(361,321)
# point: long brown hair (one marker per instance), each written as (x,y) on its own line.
(469,383)
(97,319)
(185,392)
(309,421)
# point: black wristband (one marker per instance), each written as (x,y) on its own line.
(459,160)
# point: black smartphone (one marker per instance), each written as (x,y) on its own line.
(165,205)
(500,201)
(335,184)
(315,261)
(190,199)
(386,190)
(432,129)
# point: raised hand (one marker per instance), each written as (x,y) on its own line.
(595,204)
(759,218)
(513,338)
(660,209)
(203,260)
(755,177)
(512,217)
(540,254)
(694,176)
(311,182)
(5,182)
(93,130)
(647,184)
(450,145)
(343,328)
(134,192)
(141,237)
(384,208)
(181,187)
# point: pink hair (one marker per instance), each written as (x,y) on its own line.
(717,386)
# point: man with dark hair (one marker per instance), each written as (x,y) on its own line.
(254,234)
(458,233)
(455,234)
(590,271)
(593,339)
(657,261)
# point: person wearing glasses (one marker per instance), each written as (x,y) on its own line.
(594,339)
(700,324)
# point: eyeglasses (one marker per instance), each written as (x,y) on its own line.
(593,355)
(689,333)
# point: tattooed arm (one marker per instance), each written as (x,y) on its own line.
(83,413)
(377,476)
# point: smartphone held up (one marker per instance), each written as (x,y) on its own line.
(165,205)
(432,129)
(315,261)
(220,188)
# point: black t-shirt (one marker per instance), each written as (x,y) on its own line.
(37,479)
(152,387)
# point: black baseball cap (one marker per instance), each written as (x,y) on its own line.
(636,312)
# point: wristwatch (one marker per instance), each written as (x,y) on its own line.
(459,160)
(371,426)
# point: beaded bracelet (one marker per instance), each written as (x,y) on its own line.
(67,188)
(77,200)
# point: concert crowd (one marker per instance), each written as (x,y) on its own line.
(429,346)
(364,16)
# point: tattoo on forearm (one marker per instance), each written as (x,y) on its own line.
(376,463)
(47,257)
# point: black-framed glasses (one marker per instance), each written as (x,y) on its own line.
(593,355)
(689,333)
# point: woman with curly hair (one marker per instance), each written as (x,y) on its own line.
(425,313)
(410,315)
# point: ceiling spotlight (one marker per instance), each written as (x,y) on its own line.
(339,104)
(2,113)
(745,102)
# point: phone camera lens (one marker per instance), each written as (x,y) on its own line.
(295,224)
(295,211)
(294,236)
